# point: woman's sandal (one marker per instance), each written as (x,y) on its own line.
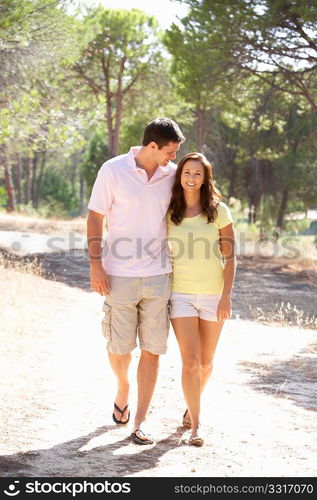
(187,423)
(196,441)
(120,422)
(138,440)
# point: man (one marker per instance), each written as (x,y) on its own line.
(133,191)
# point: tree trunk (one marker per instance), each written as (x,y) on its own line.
(33,182)
(252,214)
(18,168)
(27,171)
(255,189)
(200,129)
(117,124)
(74,168)
(83,187)
(8,179)
(40,179)
(114,124)
(233,179)
(281,213)
(109,118)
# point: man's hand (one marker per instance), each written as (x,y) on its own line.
(99,280)
(224,308)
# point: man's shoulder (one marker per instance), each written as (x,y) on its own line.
(111,165)
(116,160)
(172,167)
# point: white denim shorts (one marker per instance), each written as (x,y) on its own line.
(185,305)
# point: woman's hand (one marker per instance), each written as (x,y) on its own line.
(224,308)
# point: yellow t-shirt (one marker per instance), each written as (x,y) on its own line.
(194,247)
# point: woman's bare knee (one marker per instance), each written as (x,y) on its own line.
(191,363)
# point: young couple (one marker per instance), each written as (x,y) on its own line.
(147,283)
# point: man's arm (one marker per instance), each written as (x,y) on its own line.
(99,280)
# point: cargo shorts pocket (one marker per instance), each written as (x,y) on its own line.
(106,321)
(168,317)
(168,311)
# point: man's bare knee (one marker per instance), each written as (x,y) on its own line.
(147,355)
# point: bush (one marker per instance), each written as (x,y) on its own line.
(57,198)
(95,155)
(3,197)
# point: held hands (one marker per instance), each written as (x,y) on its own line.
(224,308)
(99,279)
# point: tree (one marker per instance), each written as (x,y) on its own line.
(115,59)
(95,155)
(273,39)
(200,65)
(30,33)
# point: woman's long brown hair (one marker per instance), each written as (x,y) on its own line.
(210,196)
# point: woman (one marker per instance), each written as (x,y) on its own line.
(201,240)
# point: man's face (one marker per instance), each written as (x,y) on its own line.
(166,153)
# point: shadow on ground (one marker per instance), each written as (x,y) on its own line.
(294,379)
(260,286)
(70,267)
(67,459)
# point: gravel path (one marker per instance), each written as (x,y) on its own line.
(259,410)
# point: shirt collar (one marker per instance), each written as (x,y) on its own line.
(164,170)
(131,160)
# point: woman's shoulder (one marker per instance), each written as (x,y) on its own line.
(224,215)
(222,205)
(222,208)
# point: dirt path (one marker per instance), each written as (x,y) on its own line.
(259,411)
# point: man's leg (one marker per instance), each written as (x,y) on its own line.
(120,329)
(146,377)
(153,333)
(120,366)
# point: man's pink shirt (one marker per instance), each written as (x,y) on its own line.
(135,208)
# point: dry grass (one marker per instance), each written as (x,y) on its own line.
(25,265)
(297,252)
(26,297)
(24,223)
(284,314)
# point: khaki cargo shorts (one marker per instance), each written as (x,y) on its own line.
(137,308)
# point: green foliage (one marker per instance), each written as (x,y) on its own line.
(3,197)
(57,194)
(94,156)
(240,82)
(296,226)
(132,133)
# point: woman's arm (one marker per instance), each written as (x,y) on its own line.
(227,245)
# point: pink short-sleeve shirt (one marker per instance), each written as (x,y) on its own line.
(135,208)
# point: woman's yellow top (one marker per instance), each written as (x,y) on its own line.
(194,247)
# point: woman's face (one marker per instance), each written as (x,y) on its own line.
(192,176)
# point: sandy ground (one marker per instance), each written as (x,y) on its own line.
(259,410)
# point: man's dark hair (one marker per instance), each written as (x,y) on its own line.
(162,131)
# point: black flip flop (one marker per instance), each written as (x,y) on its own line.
(120,422)
(138,440)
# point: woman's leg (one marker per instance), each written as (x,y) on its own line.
(187,334)
(209,333)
